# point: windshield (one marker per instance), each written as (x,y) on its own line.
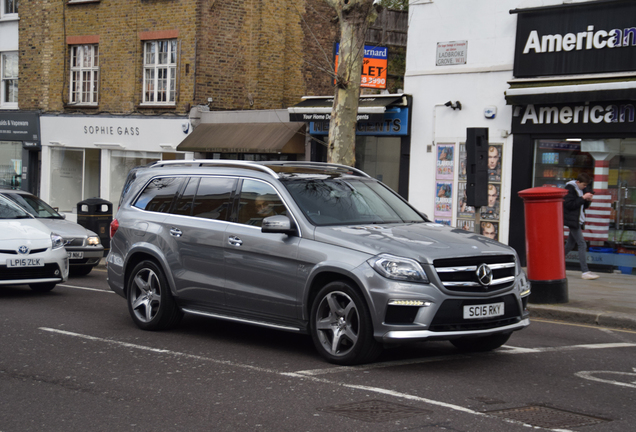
(34,205)
(8,210)
(349,201)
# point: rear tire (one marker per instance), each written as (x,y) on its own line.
(42,287)
(481,344)
(150,302)
(341,326)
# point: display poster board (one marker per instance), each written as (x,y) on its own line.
(490,214)
(444,174)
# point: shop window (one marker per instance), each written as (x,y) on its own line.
(380,158)
(9,80)
(84,74)
(160,69)
(10,164)
(557,162)
(121,162)
(67,170)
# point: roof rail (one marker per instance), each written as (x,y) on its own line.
(321,164)
(215,162)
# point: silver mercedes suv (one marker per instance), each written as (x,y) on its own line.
(307,247)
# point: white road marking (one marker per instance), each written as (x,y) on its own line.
(506,349)
(86,288)
(590,375)
(309,374)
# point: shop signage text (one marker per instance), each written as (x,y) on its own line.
(584,117)
(393,123)
(111,130)
(578,39)
(19,126)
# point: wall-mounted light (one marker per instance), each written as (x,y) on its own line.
(455,105)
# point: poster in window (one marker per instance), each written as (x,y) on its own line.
(443,221)
(466,224)
(463,210)
(444,198)
(461,175)
(494,163)
(491,211)
(490,229)
(445,161)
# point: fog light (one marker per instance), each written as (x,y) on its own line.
(409,303)
(57,272)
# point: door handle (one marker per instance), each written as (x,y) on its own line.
(176,232)
(235,241)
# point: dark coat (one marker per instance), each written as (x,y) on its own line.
(572,203)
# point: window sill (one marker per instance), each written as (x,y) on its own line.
(8,107)
(73,2)
(157,106)
(12,17)
(72,105)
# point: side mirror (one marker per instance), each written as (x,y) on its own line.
(278,225)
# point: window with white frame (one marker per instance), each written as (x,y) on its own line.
(84,74)
(9,79)
(8,8)
(160,70)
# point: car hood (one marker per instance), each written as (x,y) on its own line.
(423,242)
(66,228)
(23,231)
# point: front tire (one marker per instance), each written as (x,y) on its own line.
(481,344)
(42,287)
(341,325)
(80,270)
(150,302)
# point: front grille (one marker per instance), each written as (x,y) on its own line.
(15,252)
(450,315)
(74,241)
(23,273)
(460,274)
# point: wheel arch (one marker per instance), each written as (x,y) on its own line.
(326,275)
(139,255)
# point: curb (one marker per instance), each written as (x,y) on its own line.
(599,318)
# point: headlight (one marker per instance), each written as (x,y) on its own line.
(93,241)
(398,268)
(56,241)
(524,285)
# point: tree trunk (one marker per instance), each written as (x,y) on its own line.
(355,18)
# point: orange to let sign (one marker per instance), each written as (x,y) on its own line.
(374,66)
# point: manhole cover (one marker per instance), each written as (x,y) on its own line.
(374,411)
(545,417)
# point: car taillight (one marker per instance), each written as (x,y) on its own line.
(114,225)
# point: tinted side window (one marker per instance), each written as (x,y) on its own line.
(185,201)
(258,200)
(159,194)
(213,198)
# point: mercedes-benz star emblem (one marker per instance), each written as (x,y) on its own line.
(484,275)
(23,250)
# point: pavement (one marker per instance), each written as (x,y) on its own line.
(609,301)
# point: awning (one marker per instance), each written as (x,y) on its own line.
(523,92)
(246,138)
(318,108)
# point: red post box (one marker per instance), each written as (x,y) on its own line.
(543,209)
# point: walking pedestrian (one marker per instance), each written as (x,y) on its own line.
(578,198)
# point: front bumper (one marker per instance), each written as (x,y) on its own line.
(415,335)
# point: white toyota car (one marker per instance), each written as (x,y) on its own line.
(29,252)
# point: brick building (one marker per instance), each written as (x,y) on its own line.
(114,81)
